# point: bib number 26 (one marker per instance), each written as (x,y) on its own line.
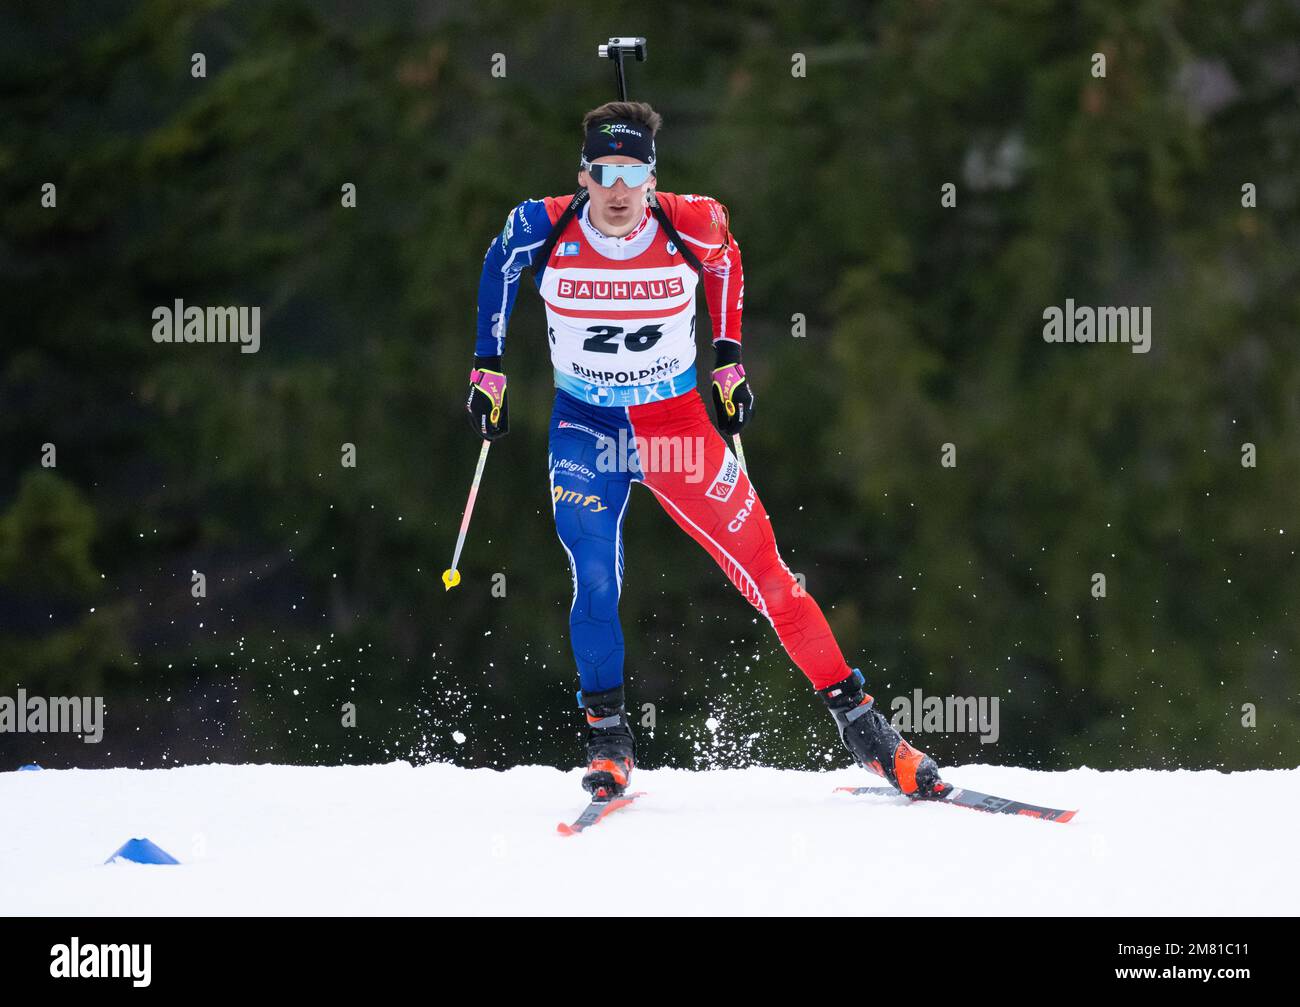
(605,338)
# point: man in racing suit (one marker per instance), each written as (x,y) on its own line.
(617,265)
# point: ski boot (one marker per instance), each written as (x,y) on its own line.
(876,745)
(611,747)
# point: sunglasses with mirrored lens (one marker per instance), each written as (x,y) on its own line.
(631,174)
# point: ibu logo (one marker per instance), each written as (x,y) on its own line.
(672,249)
(568,248)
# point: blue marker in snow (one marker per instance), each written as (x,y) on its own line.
(142,851)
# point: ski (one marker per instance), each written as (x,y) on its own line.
(596,812)
(974,799)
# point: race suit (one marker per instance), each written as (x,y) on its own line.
(621,328)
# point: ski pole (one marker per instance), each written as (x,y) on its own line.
(451,577)
(740,453)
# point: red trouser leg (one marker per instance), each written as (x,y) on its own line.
(715,503)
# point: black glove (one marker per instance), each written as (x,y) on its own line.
(733,399)
(489,412)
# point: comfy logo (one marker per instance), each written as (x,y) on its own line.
(560,495)
(621,290)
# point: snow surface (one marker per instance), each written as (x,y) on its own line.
(439,839)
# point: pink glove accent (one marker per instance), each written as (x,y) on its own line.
(726,379)
(493,385)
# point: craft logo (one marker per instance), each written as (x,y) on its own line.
(738,521)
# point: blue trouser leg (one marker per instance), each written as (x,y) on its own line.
(588,504)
